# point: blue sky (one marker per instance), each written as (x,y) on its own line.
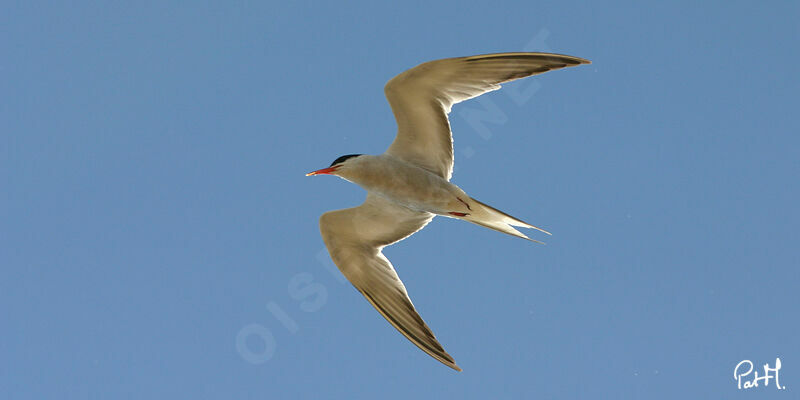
(155,210)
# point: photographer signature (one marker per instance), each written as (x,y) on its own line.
(745,367)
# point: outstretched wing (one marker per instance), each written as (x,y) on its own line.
(421,98)
(355,237)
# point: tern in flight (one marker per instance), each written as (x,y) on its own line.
(409,184)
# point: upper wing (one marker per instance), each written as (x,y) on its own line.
(355,237)
(422,96)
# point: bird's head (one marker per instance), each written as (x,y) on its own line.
(338,166)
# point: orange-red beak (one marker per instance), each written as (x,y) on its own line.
(324,171)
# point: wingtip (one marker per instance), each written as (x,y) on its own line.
(449,361)
(575,61)
(572,60)
(580,60)
(452,364)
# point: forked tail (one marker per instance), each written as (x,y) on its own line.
(493,218)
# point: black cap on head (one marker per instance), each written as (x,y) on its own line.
(343,158)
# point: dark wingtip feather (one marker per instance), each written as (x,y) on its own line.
(557,58)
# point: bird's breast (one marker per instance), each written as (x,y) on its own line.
(409,185)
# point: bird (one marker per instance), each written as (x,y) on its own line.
(409,184)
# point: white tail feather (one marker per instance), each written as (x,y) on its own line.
(493,218)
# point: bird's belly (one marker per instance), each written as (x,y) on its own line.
(416,189)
